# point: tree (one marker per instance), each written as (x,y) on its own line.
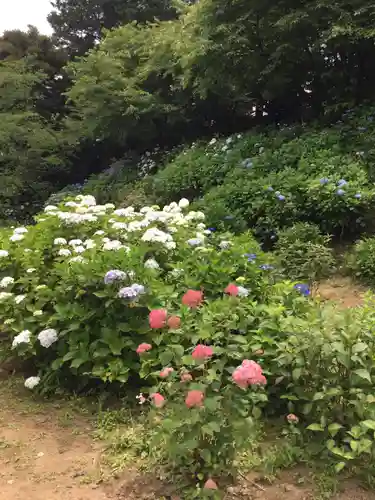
(39,56)
(33,155)
(79,24)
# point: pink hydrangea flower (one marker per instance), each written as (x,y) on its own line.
(248,373)
(166,372)
(157,399)
(194,398)
(202,352)
(186,377)
(157,318)
(231,290)
(210,485)
(192,298)
(292,419)
(143,348)
(174,322)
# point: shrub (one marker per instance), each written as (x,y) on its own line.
(361,260)
(89,275)
(303,254)
(326,369)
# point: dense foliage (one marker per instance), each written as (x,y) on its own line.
(197,318)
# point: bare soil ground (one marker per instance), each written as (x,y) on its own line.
(341,290)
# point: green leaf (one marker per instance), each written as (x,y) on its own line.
(369,424)
(360,347)
(361,372)
(315,427)
(334,428)
(340,466)
(76,363)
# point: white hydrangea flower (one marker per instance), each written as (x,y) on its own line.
(16,237)
(151,264)
(201,226)
(155,235)
(79,249)
(87,200)
(37,313)
(21,338)
(78,259)
(99,233)
(183,203)
(71,204)
(242,291)
(224,245)
(124,212)
(113,245)
(74,243)
(109,206)
(170,245)
(212,141)
(50,208)
(60,241)
(6,281)
(32,382)
(145,210)
(20,230)
(31,270)
(3,254)
(19,298)
(195,242)
(176,273)
(119,225)
(48,337)
(89,244)
(64,252)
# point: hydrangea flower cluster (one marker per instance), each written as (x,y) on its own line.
(131,292)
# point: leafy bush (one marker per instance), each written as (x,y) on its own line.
(326,368)
(61,283)
(361,260)
(303,254)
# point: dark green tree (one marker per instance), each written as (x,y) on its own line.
(79,24)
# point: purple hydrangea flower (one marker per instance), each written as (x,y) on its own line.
(324,180)
(340,192)
(342,182)
(251,256)
(280,197)
(358,196)
(270,188)
(114,275)
(302,288)
(266,267)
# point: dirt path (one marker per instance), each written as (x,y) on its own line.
(47,454)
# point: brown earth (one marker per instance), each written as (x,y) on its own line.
(341,290)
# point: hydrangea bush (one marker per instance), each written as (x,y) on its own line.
(78,286)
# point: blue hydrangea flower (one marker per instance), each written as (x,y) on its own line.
(342,182)
(131,292)
(251,256)
(212,229)
(114,275)
(266,267)
(324,180)
(281,197)
(247,163)
(302,288)
(358,196)
(340,192)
